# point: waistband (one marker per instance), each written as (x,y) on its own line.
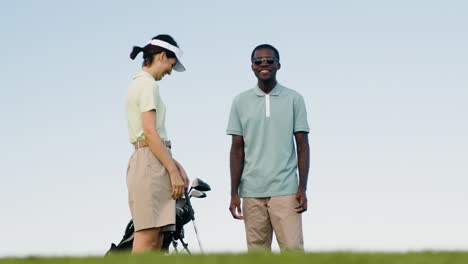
(143,143)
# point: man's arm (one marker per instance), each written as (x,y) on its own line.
(237,166)
(303,157)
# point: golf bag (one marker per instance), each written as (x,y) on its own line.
(184,214)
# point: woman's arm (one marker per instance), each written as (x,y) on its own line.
(159,150)
(183,174)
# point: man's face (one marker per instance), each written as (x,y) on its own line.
(261,66)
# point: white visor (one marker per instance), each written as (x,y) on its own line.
(178,52)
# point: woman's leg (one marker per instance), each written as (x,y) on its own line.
(147,239)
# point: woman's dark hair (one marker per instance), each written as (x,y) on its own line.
(266,46)
(150,50)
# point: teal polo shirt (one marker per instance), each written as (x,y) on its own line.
(267,123)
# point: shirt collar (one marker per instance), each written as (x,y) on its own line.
(143,74)
(276,90)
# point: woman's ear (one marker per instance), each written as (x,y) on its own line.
(157,57)
(160,57)
(163,56)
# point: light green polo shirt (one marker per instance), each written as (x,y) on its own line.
(143,96)
(267,123)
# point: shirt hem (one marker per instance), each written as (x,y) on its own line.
(301,129)
(264,195)
(234,132)
(151,108)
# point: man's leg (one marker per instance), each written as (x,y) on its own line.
(258,228)
(286,222)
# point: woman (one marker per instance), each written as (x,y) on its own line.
(154,179)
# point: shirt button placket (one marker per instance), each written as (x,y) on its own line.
(267,105)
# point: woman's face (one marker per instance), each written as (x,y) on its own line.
(165,65)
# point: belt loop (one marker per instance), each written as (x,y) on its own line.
(138,143)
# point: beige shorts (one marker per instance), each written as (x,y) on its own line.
(265,215)
(149,192)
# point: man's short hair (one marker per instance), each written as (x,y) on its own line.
(266,46)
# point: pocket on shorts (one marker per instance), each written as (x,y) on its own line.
(158,175)
(153,162)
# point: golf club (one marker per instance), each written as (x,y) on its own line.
(200,185)
(187,198)
(197,194)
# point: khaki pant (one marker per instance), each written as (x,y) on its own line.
(262,216)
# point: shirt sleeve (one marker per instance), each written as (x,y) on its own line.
(300,116)
(234,126)
(147,97)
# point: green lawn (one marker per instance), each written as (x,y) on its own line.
(261,258)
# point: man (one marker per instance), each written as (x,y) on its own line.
(264,122)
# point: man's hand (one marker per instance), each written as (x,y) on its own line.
(235,207)
(302,199)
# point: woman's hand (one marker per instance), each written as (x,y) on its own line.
(177,184)
(183,174)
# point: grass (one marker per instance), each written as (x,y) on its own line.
(429,257)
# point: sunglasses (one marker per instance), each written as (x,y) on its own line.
(259,60)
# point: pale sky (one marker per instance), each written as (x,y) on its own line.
(385,85)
